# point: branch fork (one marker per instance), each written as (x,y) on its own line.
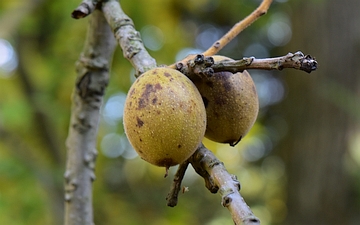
(217,180)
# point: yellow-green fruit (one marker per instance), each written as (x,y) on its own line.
(164,117)
(231,103)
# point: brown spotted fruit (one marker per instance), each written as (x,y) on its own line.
(231,103)
(164,117)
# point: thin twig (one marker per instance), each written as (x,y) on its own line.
(205,161)
(232,33)
(128,38)
(172,197)
(85,8)
(238,28)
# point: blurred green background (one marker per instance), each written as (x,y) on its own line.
(300,164)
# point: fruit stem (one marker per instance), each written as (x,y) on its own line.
(166,171)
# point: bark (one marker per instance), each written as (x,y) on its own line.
(92,79)
(128,37)
(318,128)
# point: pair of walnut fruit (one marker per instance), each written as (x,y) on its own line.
(167,115)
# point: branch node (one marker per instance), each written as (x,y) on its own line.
(84,9)
(226,200)
(119,23)
(199,59)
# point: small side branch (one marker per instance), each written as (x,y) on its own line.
(213,171)
(172,197)
(128,38)
(201,66)
(295,60)
(85,8)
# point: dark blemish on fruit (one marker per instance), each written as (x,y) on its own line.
(142,103)
(140,140)
(140,123)
(154,71)
(224,79)
(154,100)
(166,74)
(144,99)
(132,92)
(158,112)
(158,86)
(148,89)
(206,101)
(179,146)
(130,103)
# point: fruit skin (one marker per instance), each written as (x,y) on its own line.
(231,103)
(164,117)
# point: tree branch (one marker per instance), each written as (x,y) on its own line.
(92,79)
(213,171)
(217,180)
(128,38)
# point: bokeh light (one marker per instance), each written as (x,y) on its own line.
(270,89)
(8,58)
(152,37)
(279,31)
(185,52)
(207,35)
(257,50)
(114,109)
(114,145)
